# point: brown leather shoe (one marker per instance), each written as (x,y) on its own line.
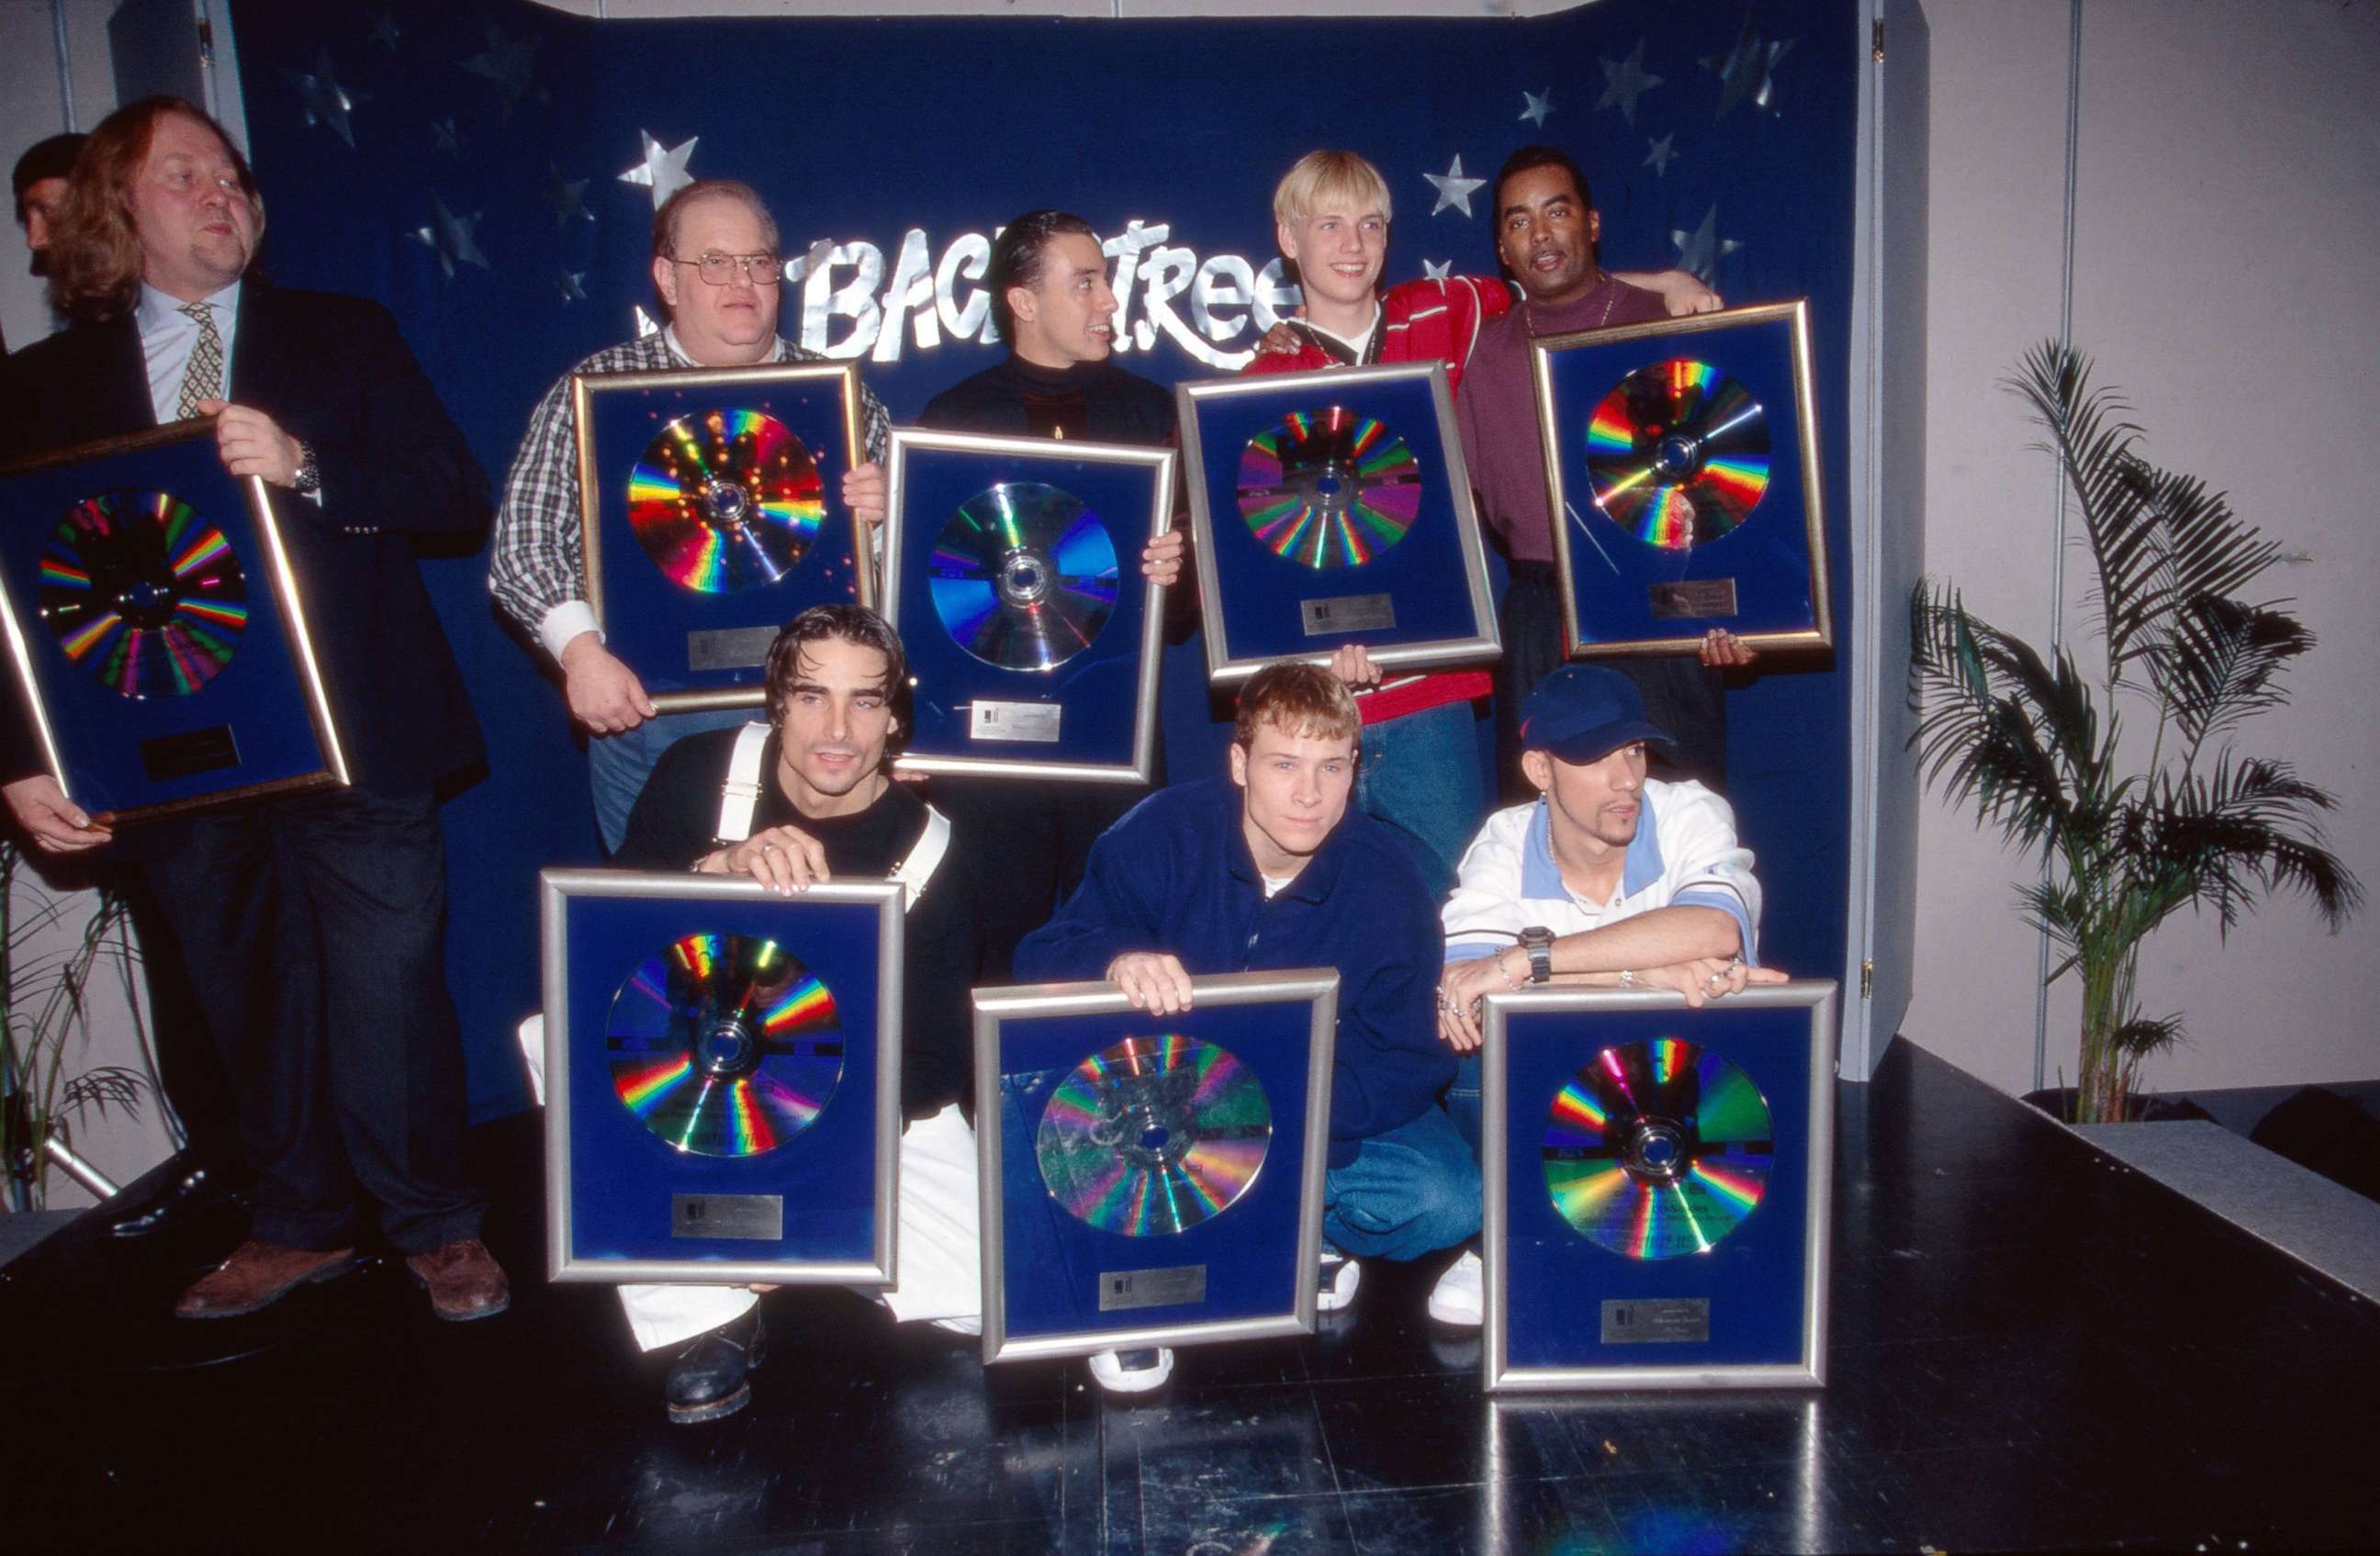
(257,1275)
(464,1280)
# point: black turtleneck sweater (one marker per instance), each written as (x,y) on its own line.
(671,827)
(1097,402)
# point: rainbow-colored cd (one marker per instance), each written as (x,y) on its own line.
(726,501)
(1678,455)
(724,1046)
(1657,1149)
(1023,576)
(144,593)
(1328,487)
(1154,1135)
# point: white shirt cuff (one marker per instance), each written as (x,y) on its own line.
(564,622)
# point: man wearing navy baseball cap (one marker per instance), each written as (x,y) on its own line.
(1608,878)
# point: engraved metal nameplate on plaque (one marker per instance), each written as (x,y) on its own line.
(729,648)
(1013,721)
(1693,596)
(1657,1321)
(188,753)
(1347,613)
(1121,1289)
(759,1218)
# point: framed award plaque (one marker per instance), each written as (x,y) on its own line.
(1011,570)
(711,501)
(1656,1185)
(1332,508)
(1682,460)
(154,622)
(723,1078)
(1151,1180)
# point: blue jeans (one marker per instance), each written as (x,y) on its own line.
(1462,1100)
(618,764)
(1421,774)
(1408,1192)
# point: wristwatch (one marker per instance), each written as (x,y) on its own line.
(309,478)
(1538,941)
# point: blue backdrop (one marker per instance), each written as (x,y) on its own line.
(464,166)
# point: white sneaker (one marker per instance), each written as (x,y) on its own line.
(1457,1298)
(1341,1276)
(1133,1371)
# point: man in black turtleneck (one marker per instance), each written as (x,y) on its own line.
(1051,297)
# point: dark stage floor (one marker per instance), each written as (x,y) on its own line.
(2032,1349)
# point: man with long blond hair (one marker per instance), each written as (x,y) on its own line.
(317,396)
(1272,869)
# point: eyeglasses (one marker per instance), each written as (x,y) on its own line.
(718,270)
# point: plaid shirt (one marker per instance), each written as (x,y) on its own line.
(537,561)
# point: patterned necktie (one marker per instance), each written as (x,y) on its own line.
(202,380)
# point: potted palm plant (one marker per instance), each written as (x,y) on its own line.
(47,963)
(2126,779)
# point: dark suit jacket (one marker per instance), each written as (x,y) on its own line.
(335,372)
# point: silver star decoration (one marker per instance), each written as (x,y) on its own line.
(1659,157)
(1700,251)
(645,325)
(1746,71)
(1452,187)
(563,197)
(511,64)
(663,172)
(445,138)
(1535,106)
(567,282)
(1624,80)
(386,32)
(1432,270)
(323,101)
(451,237)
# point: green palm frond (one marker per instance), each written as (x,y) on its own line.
(1997,725)
(2144,1035)
(2221,664)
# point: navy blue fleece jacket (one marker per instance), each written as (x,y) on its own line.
(1175,874)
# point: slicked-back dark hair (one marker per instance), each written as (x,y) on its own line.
(1529,157)
(854,624)
(1020,256)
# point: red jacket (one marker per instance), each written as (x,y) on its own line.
(1422,322)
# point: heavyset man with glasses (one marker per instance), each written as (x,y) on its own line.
(718,271)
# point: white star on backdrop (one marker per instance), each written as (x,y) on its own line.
(1660,154)
(1452,187)
(1624,80)
(451,238)
(565,197)
(1535,106)
(662,172)
(443,136)
(1438,270)
(567,282)
(1700,251)
(511,64)
(386,32)
(1746,71)
(322,100)
(645,325)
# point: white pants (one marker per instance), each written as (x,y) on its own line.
(938,1247)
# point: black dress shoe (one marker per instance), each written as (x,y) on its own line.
(191,1195)
(712,1377)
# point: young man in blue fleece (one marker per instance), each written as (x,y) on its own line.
(1272,870)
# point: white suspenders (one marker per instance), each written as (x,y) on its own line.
(740,796)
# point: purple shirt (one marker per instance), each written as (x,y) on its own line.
(1497,410)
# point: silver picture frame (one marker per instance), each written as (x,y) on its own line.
(1819,998)
(1230,662)
(1004,454)
(557,890)
(998,1009)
